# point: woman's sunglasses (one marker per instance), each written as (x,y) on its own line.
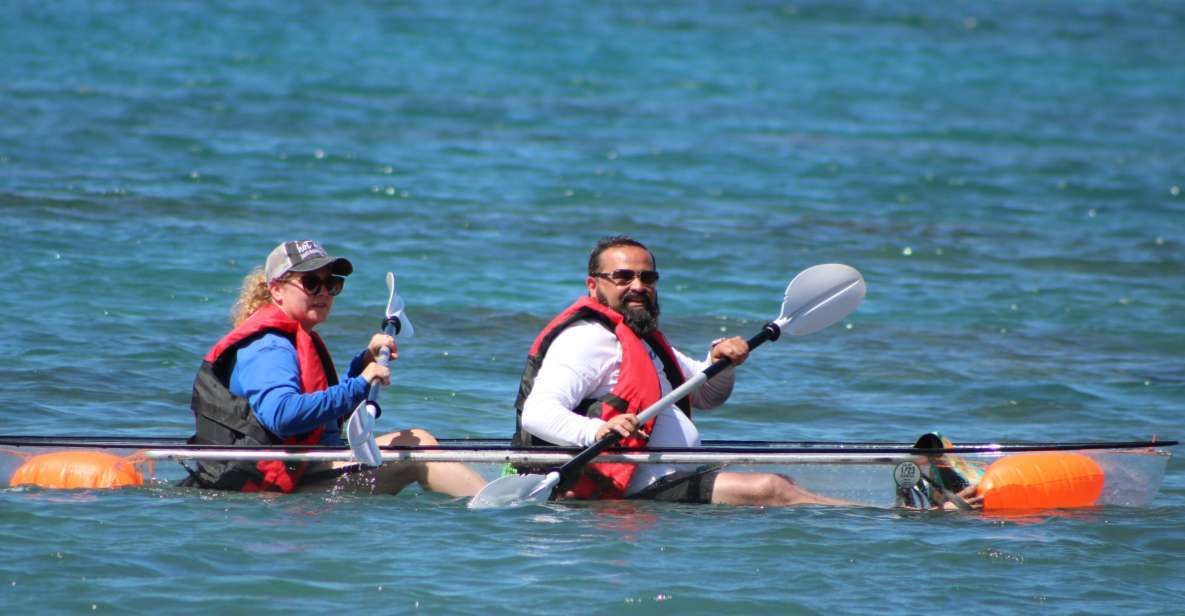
(623,277)
(312,284)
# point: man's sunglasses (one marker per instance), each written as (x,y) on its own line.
(623,277)
(312,284)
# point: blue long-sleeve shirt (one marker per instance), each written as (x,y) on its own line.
(267,374)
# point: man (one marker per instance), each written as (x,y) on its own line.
(602,361)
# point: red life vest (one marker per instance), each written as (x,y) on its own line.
(637,387)
(270,317)
(216,409)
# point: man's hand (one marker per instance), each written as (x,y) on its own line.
(734,348)
(625,425)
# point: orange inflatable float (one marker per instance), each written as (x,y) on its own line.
(77,469)
(1045,480)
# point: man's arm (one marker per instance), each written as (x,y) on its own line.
(578,366)
(717,390)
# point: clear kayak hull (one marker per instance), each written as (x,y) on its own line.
(866,473)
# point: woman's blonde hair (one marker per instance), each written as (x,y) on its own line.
(253,296)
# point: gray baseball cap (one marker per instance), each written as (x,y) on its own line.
(303,256)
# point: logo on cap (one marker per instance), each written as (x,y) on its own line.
(308,249)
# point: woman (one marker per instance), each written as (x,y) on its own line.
(271,380)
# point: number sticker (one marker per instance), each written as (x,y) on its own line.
(906,474)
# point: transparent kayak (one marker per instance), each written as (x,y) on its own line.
(874,474)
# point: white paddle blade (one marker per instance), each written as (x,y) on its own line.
(515,490)
(819,296)
(396,308)
(360,435)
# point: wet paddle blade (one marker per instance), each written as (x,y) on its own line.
(819,296)
(515,490)
(360,435)
(396,309)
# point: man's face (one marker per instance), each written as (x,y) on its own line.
(635,300)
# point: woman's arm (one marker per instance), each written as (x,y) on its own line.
(267,374)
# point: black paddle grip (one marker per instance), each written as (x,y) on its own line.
(770,331)
(392,322)
(584,457)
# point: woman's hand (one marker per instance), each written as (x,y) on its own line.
(377,343)
(376,372)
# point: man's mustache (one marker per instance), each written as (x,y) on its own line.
(645,298)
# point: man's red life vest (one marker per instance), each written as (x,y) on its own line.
(223,418)
(637,387)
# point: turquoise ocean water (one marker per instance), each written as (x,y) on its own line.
(1008,177)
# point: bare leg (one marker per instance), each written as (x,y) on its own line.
(765,489)
(449,478)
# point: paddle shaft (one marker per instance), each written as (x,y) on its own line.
(770,332)
(390,327)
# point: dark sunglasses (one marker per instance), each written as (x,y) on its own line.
(312,284)
(626,276)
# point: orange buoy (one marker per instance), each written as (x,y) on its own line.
(1045,480)
(77,469)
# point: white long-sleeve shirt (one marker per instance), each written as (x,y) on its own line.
(584,362)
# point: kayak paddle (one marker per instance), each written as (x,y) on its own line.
(816,298)
(360,425)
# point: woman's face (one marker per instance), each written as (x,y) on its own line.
(291,293)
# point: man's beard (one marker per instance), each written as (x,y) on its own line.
(643,320)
